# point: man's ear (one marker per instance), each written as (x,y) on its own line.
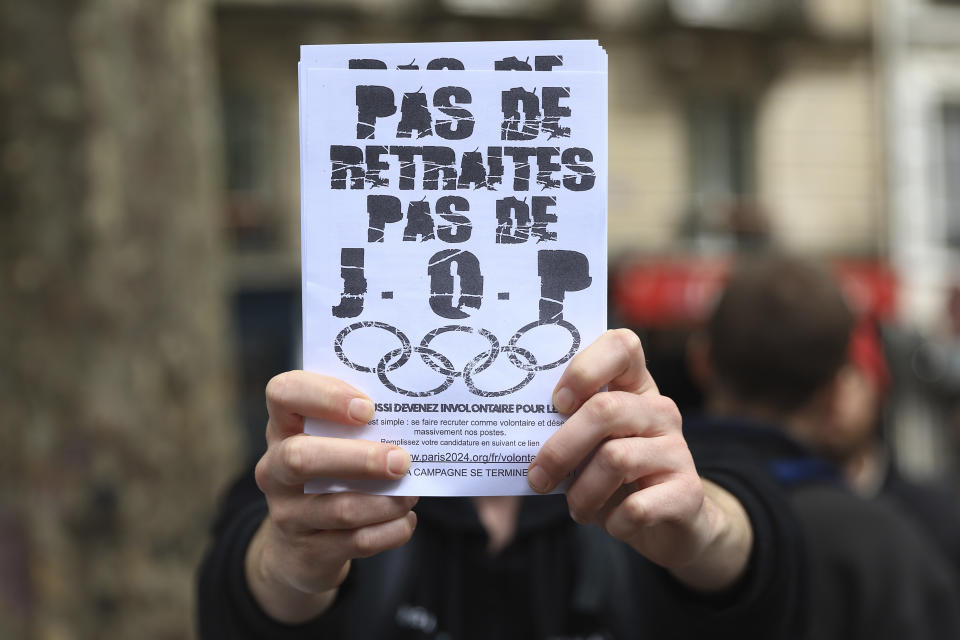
(698,360)
(830,396)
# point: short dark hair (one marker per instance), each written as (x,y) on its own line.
(779,331)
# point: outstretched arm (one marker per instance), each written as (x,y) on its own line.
(635,476)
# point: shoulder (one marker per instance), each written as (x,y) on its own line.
(837,519)
(875,576)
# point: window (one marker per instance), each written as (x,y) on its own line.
(266,333)
(722,171)
(249,221)
(950,172)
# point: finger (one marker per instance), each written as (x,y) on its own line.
(616,463)
(294,460)
(615,359)
(315,554)
(294,395)
(611,414)
(300,513)
(614,501)
(367,541)
(668,502)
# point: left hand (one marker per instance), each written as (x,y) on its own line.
(637,479)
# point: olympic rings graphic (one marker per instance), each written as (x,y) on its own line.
(520,357)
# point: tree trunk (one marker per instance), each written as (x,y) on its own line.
(115,418)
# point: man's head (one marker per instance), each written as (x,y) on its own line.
(777,336)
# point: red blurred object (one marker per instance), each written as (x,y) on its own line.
(680,291)
(871,287)
(667,292)
(866,353)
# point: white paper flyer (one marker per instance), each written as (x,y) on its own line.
(454,206)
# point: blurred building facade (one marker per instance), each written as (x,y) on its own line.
(921,53)
(830,128)
(730,115)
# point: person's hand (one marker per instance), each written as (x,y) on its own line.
(634,475)
(302,551)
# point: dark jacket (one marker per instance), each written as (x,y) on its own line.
(934,508)
(555,580)
(874,574)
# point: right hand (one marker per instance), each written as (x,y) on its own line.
(302,551)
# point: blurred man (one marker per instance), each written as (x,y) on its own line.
(672,555)
(771,362)
(853,437)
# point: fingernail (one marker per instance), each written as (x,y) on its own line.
(360,409)
(564,400)
(398,461)
(538,479)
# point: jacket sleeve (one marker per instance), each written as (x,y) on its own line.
(771,599)
(225,607)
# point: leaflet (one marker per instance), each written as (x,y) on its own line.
(517,55)
(453,247)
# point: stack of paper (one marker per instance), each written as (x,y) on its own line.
(454,207)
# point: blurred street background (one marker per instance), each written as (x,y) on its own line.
(149,238)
